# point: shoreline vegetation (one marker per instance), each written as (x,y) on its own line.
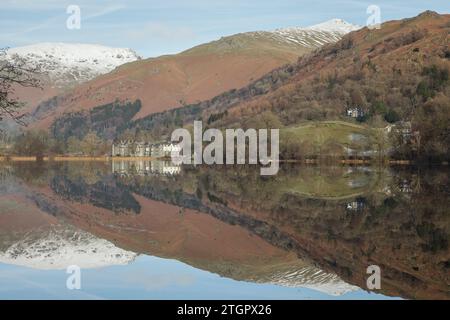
(110,158)
(321,142)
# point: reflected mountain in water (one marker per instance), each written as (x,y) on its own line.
(315,227)
(60,247)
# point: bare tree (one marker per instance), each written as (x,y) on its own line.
(15,72)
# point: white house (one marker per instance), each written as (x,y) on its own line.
(164,150)
(355,112)
(131,148)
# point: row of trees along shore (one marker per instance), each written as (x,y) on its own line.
(39,144)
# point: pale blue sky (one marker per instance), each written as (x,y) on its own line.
(153,27)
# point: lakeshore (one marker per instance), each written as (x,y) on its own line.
(117,158)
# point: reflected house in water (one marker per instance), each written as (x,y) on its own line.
(145,168)
(405,186)
(131,148)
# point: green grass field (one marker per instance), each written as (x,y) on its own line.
(312,184)
(321,132)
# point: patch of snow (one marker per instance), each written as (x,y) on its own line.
(312,278)
(335,25)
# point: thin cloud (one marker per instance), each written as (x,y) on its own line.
(51,22)
(104,12)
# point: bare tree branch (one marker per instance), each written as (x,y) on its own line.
(15,72)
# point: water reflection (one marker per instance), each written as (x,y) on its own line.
(145,167)
(313,227)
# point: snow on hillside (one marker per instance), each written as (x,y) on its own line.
(59,248)
(312,278)
(69,63)
(317,35)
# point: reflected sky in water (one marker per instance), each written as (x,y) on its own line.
(148,278)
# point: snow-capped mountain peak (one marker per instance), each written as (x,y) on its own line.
(335,25)
(317,35)
(61,247)
(72,63)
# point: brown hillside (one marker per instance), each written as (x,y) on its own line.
(365,68)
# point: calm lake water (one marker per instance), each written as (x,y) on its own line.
(152,230)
